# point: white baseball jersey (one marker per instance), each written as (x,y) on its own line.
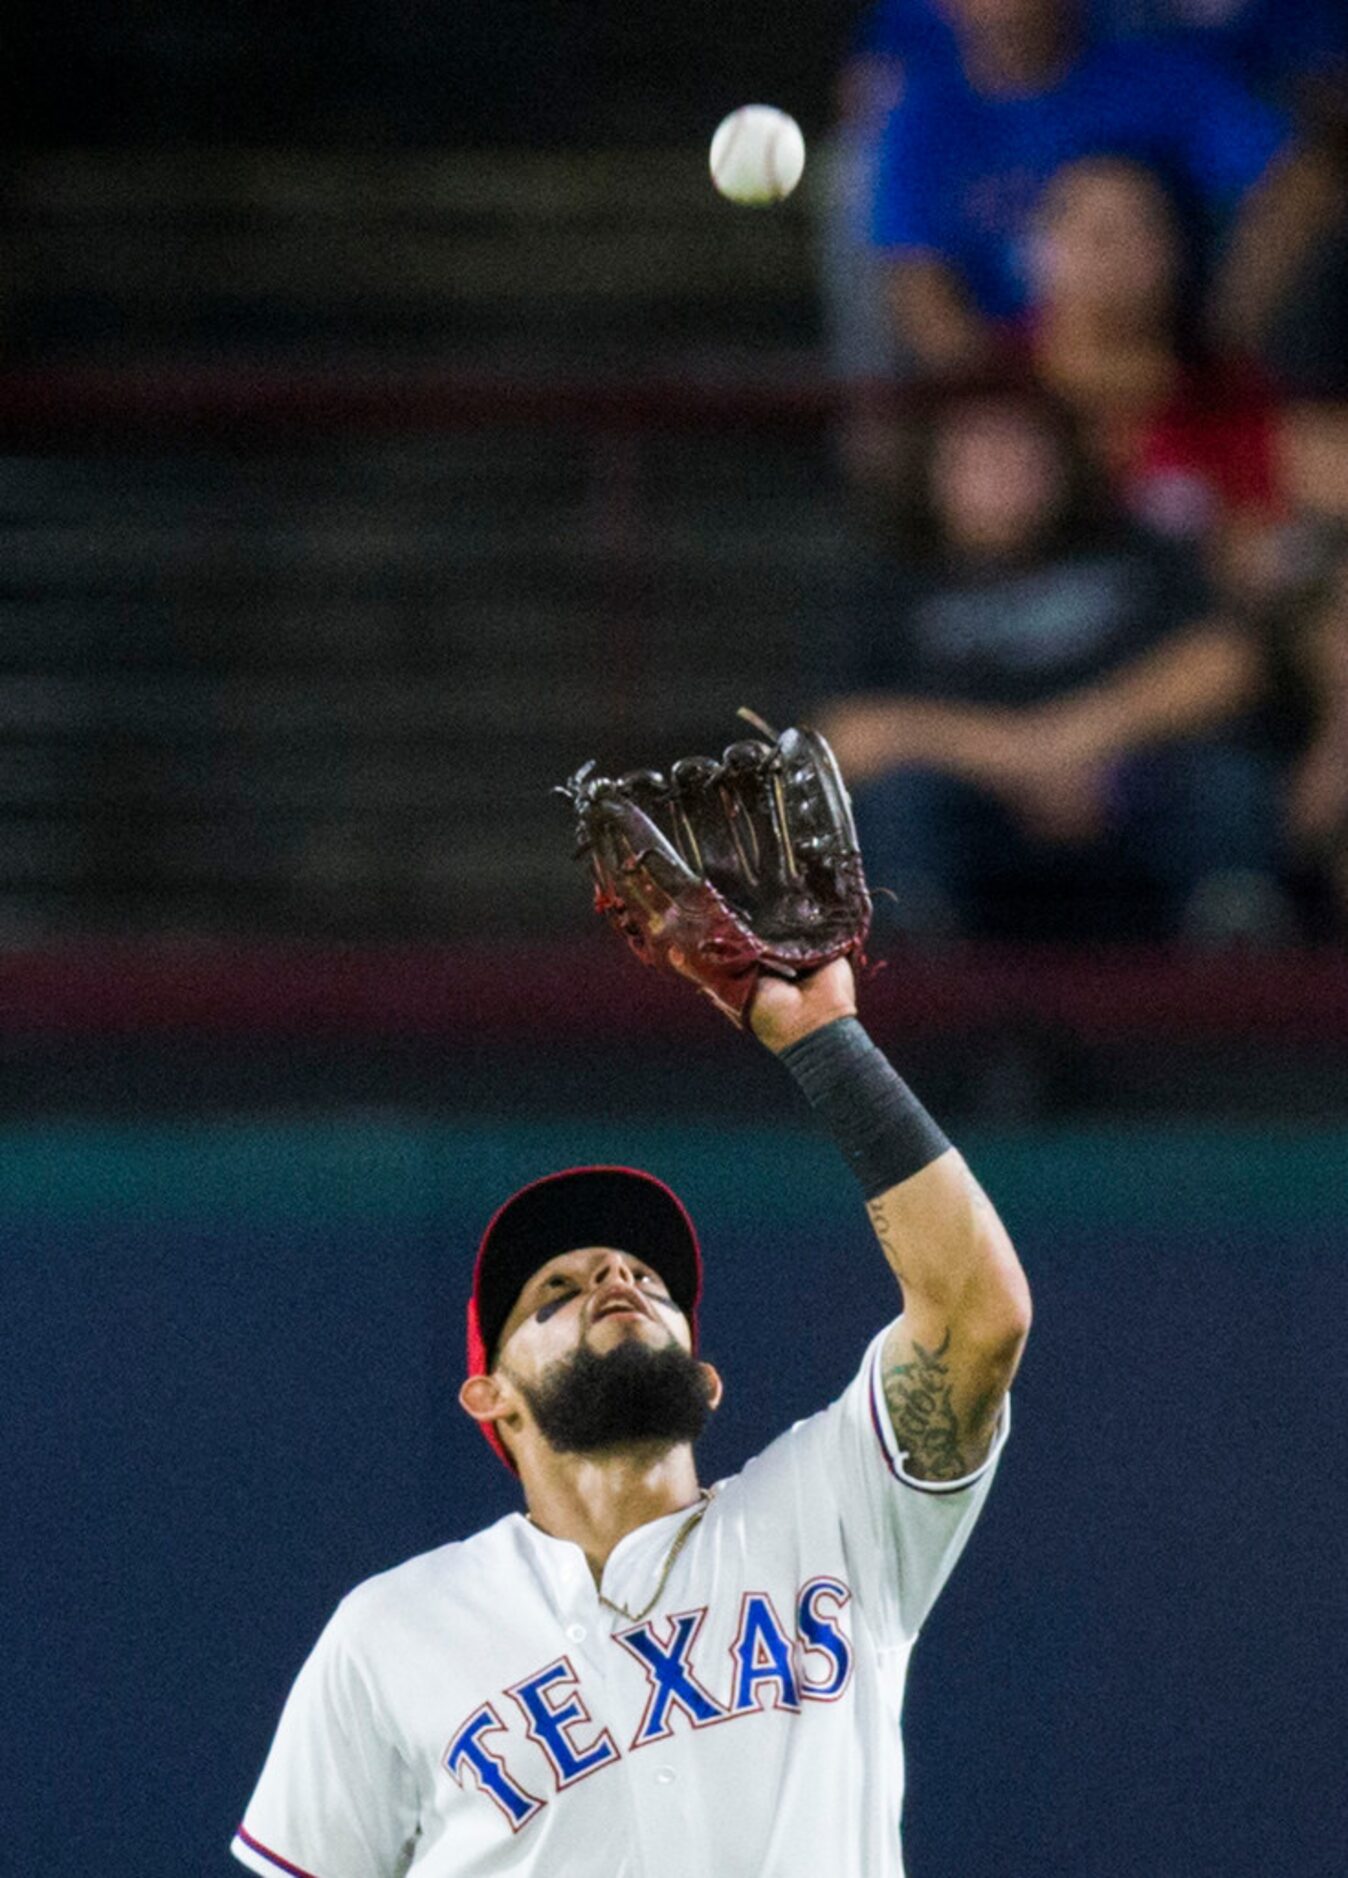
(478,1710)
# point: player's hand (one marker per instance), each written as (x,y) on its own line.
(784,1011)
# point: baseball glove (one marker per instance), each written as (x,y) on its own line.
(726,869)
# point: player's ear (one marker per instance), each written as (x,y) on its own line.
(715,1387)
(483,1398)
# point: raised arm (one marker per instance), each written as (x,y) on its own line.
(732,874)
(949,1359)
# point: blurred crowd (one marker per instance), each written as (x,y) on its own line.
(1085,265)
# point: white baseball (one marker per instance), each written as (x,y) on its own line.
(757,155)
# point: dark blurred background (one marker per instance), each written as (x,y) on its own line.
(392,417)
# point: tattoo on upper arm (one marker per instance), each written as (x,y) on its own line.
(927,1425)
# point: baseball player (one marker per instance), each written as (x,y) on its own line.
(638,1676)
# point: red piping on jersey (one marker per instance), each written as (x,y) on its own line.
(281,1864)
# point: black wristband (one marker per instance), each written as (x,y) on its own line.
(884,1133)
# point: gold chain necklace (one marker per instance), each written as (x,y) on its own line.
(680,1539)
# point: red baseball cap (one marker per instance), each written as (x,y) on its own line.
(622,1207)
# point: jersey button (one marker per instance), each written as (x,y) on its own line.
(664,1775)
(576,1632)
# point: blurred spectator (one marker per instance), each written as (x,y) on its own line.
(1295,50)
(865,349)
(1047,695)
(892,39)
(967,151)
(1191,445)
(920,33)
(1318,794)
(1315,462)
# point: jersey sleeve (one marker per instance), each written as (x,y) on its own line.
(902,1536)
(336,1798)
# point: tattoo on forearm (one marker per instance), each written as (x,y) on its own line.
(925,1422)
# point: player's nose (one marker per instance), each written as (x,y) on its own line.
(612,1269)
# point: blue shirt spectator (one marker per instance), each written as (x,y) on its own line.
(1268,41)
(960,169)
(913,30)
(919,32)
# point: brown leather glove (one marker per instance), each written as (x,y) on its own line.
(729,868)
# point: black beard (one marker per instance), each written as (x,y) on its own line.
(587,1402)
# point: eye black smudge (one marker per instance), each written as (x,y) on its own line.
(551,1308)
